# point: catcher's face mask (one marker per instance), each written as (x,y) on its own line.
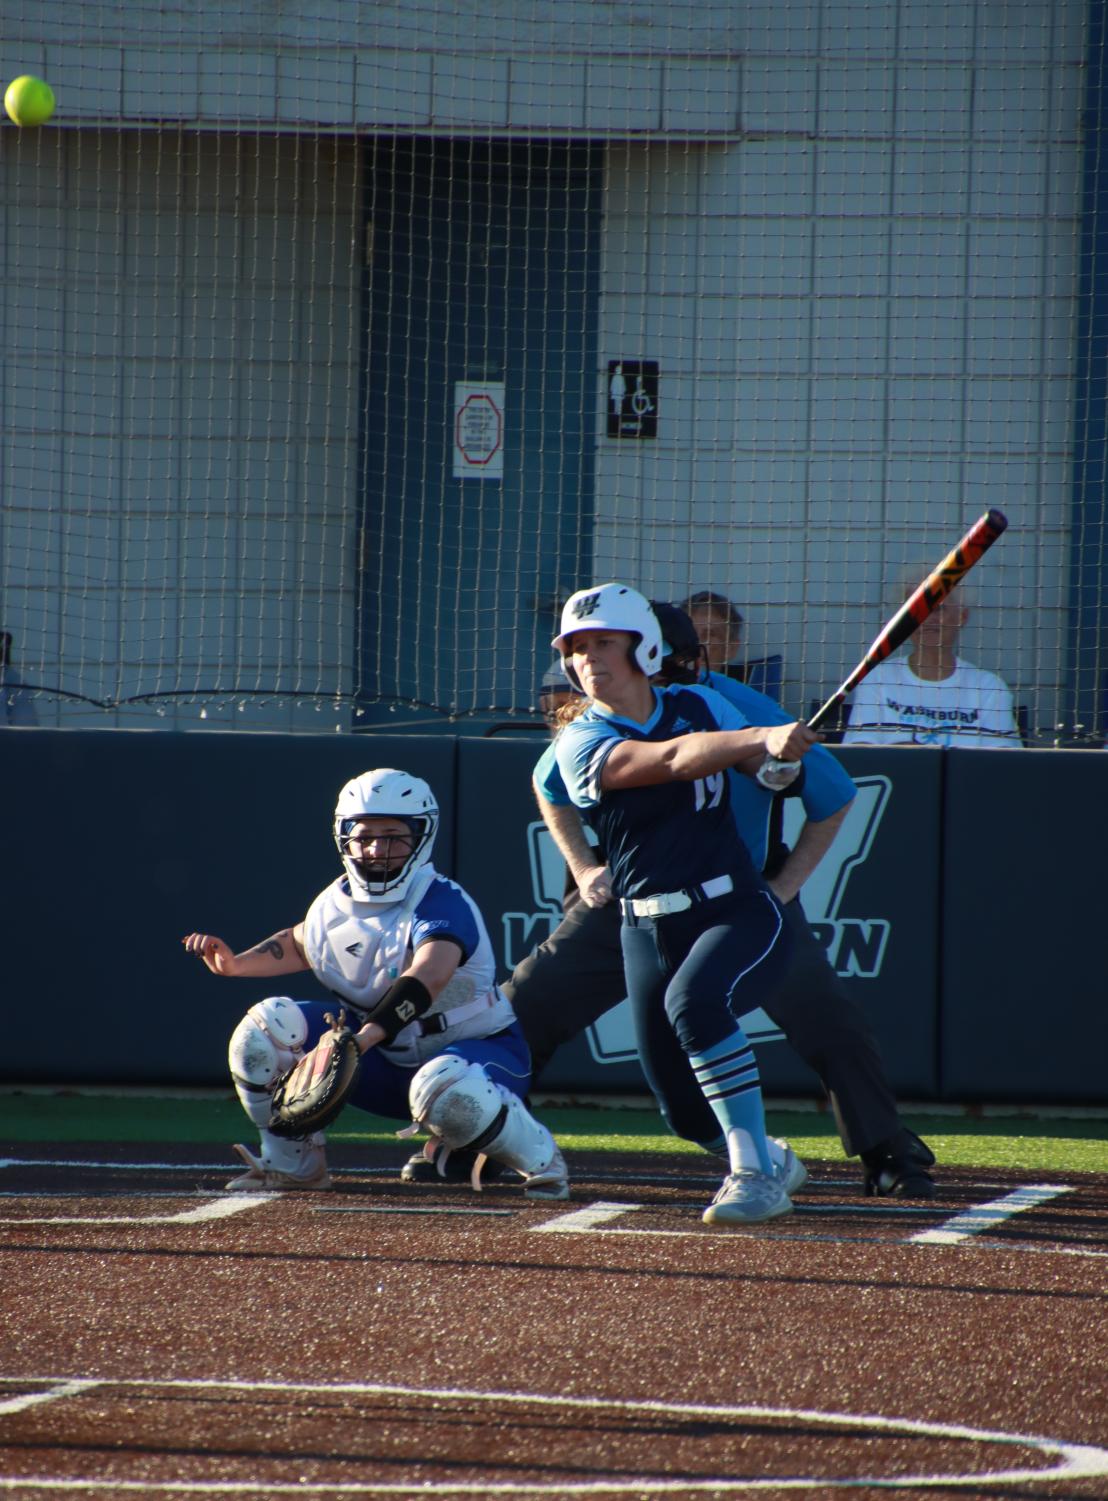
(380,847)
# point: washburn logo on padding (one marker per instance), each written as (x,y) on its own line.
(855,946)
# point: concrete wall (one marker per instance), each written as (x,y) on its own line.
(180,438)
(864,313)
(846,232)
(516,64)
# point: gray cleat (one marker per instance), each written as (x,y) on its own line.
(747,1198)
(791,1174)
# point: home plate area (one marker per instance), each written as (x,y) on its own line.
(647,1196)
(318,1439)
(162,1337)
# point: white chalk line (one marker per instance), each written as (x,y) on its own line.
(1074,1461)
(587,1220)
(596,1218)
(578,1221)
(171,1167)
(710,1181)
(600,1216)
(215,1209)
(687,1180)
(36,1399)
(983,1217)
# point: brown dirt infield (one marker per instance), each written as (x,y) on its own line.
(392,1339)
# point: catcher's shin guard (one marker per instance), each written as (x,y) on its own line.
(458,1102)
(268,1041)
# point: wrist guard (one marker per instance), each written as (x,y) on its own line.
(404,1001)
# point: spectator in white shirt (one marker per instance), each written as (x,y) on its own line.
(932,696)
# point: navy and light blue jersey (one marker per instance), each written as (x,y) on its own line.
(669,836)
(826,787)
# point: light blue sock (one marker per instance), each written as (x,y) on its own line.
(728,1076)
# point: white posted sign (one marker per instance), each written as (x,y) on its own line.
(478,429)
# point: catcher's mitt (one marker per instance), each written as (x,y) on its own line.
(310,1095)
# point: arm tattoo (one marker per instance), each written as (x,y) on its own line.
(272,946)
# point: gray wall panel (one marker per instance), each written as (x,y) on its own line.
(1024,974)
(171,833)
(970,934)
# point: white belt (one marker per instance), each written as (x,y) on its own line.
(440,1021)
(676,901)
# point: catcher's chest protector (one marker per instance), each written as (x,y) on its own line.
(358,949)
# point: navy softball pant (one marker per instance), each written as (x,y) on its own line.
(690,975)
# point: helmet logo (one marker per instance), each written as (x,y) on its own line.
(587,605)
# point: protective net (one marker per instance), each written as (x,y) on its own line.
(345,340)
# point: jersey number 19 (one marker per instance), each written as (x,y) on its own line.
(708,791)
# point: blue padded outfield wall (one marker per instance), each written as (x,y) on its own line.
(962,902)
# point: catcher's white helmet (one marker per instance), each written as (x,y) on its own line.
(386,793)
(612,607)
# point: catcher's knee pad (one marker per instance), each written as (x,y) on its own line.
(267,1042)
(458,1102)
(454,1100)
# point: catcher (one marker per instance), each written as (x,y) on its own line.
(425,1033)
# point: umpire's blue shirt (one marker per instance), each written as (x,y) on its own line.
(825,789)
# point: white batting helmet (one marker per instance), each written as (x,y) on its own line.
(612,607)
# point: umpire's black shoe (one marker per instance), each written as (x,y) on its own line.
(898,1168)
(447,1167)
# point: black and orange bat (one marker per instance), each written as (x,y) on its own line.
(915,610)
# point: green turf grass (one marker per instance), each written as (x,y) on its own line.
(1034,1144)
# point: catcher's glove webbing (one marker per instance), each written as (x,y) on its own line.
(310,1095)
